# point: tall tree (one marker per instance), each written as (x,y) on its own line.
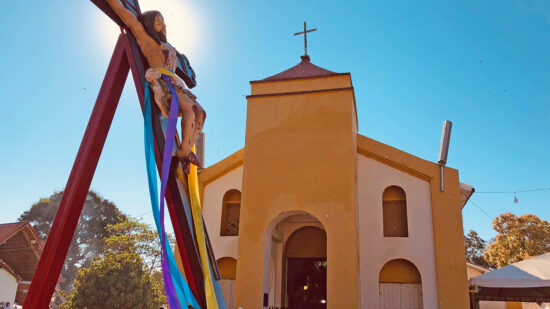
(518,238)
(131,235)
(128,273)
(88,239)
(117,280)
(475,247)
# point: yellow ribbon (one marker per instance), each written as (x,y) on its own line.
(165,72)
(193,183)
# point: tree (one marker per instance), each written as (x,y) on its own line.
(518,238)
(117,280)
(88,239)
(128,273)
(131,235)
(475,247)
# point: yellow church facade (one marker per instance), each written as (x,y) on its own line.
(311,214)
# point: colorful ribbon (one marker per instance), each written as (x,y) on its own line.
(171,273)
(217,288)
(214,296)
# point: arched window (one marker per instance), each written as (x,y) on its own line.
(227,267)
(231,209)
(394,205)
(400,285)
(399,271)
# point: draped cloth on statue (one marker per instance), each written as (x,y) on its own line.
(175,284)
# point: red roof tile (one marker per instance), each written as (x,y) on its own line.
(301,70)
(7,230)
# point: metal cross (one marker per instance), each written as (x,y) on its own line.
(305,36)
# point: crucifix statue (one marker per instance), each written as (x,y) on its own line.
(150,32)
(142,44)
(305,36)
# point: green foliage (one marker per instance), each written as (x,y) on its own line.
(118,280)
(475,247)
(131,255)
(133,236)
(88,240)
(518,238)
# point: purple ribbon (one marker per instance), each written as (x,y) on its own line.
(166,160)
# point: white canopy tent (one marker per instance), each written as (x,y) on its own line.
(531,273)
(525,281)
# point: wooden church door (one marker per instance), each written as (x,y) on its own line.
(400,296)
(228,290)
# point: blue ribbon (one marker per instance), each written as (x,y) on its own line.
(171,273)
(217,289)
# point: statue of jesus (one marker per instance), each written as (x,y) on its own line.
(150,32)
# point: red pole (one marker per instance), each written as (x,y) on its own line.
(63,227)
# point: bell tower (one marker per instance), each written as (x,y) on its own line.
(300,155)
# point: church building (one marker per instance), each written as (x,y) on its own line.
(311,214)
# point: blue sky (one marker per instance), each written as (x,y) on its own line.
(481,64)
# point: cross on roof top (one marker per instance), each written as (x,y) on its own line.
(305,36)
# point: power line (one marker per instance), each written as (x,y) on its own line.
(481,209)
(141,215)
(512,192)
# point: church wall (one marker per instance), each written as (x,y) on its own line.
(452,284)
(8,286)
(212,211)
(375,249)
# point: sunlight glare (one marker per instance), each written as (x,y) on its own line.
(107,33)
(182,26)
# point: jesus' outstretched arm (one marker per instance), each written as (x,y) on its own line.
(144,40)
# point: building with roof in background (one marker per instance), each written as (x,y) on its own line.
(20,250)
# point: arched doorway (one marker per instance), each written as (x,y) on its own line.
(292,235)
(305,263)
(400,285)
(228,271)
